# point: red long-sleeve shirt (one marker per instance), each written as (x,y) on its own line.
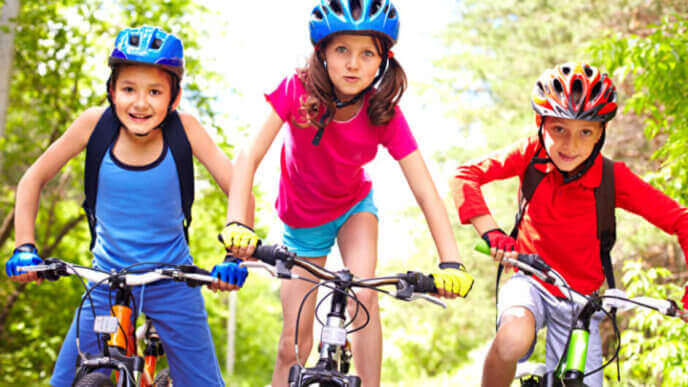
(560,222)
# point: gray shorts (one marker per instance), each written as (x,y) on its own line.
(556,315)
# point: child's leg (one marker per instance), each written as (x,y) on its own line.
(65,366)
(291,294)
(514,338)
(180,318)
(521,314)
(357,240)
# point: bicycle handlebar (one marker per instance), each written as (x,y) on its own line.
(278,261)
(55,268)
(613,298)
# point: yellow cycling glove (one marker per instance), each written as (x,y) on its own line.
(453,278)
(236,234)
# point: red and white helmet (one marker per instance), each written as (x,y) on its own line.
(575,91)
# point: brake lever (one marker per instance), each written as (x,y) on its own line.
(421,296)
(52,269)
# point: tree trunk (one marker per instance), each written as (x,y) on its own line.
(9,11)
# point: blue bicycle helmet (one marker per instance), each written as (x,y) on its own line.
(333,16)
(149,45)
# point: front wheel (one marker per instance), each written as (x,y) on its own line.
(163,379)
(94,379)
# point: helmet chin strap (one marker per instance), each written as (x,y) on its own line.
(160,125)
(568,176)
(340,104)
(381,71)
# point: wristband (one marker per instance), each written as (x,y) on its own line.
(26,248)
(452,265)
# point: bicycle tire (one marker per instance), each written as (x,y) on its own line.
(95,379)
(163,379)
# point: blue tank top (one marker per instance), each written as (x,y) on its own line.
(139,214)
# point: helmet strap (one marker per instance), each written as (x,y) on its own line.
(585,166)
(175,88)
(339,103)
(381,71)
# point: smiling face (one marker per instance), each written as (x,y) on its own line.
(570,142)
(141,96)
(352,63)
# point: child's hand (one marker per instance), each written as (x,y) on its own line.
(500,244)
(453,281)
(24,255)
(229,273)
(239,240)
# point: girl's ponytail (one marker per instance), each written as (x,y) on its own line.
(388,94)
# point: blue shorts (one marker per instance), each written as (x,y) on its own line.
(318,241)
(179,317)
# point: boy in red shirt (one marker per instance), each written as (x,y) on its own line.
(573,103)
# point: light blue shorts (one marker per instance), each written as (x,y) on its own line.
(318,241)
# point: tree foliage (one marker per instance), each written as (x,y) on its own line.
(655,63)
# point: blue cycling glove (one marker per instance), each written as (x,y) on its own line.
(230,272)
(24,255)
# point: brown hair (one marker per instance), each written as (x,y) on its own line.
(319,100)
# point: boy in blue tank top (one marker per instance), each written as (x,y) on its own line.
(140,215)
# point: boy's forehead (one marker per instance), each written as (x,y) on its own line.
(150,73)
(572,122)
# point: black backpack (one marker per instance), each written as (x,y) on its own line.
(104,135)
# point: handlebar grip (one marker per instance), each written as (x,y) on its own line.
(266,253)
(482,247)
(422,283)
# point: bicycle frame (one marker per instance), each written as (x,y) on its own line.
(119,340)
(335,356)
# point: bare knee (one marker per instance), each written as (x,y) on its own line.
(368,298)
(286,349)
(515,335)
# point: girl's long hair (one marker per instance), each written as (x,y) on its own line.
(318,104)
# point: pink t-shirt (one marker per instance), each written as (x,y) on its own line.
(321,182)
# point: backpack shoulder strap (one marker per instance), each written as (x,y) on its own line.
(103,135)
(176,139)
(531,179)
(605,202)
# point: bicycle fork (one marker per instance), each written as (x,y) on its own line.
(335,353)
(573,369)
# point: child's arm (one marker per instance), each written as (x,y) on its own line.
(468,198)
(639,197)
(211,156)
(72,142)
(207,151)
(247,163)
(425,192)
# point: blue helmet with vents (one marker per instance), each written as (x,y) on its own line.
(149,45)
(333,16)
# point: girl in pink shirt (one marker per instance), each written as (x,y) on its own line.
(336,119)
